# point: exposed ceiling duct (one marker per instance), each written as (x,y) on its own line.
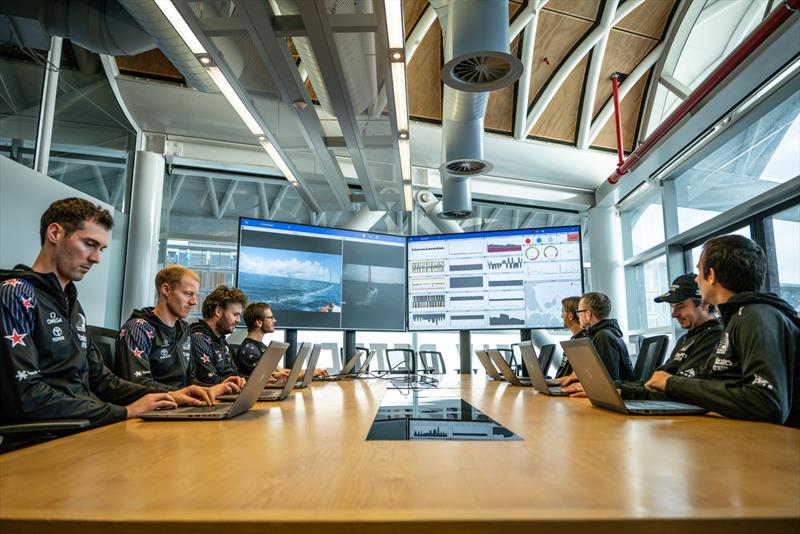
(477,61)
(351,50)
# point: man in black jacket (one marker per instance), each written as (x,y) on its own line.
(153,347)
(692,350)
(222,309)
(49,368)
(753,371)
(593,311)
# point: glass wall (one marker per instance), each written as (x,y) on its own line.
(21,77)
(645,282)
(782,231)
(642,223)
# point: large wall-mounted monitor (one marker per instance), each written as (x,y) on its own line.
(323,278)
(493,280)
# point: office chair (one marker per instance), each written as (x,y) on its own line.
(546,354)
(105,341)
(651,352)
(400,366)
(436,362)
(16,436)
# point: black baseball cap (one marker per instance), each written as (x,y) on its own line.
(682,288)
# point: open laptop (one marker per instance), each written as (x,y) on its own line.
(302,352)
(602,391)
(271,395)
(505,370)
(487,364)
(347,370)
(363,369)
(526,347)
(538,381)
(255,385)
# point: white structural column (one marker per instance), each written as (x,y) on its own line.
(608,273)
(531,16)
(143,227)
(364,219)
(48,107)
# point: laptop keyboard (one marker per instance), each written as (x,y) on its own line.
(655,405)
(204,409)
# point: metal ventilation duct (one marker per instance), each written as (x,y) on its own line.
(477,60)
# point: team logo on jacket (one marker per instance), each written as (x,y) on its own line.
(164,354)
(54,319)
(16,338)
(722,364)
(24,375)
(80,325)
(722,346)
(58,334)
(763,382)
(690,373)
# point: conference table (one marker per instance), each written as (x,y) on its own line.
(304,465)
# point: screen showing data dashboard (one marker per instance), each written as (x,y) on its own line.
(493,280)
(323,278)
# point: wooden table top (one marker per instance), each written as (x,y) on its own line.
(304,464)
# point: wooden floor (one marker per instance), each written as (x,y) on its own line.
(305,466)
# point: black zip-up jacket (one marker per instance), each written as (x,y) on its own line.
(211,355)
(606,337)
(753,371)
(151,353)
(248,355)
(49,368)
(565,369)
(688,359)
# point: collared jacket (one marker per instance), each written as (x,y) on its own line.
(49,368)
(248,355)
(688,358)
(606,337)
(151,353)
(753,371)
(211,354)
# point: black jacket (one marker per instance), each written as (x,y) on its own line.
(606,337)
(49,368)
(248,355)
(688,359)
(211,354)
(565,369)
(151,353)
(753,371)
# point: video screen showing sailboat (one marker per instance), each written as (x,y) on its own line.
(373,286)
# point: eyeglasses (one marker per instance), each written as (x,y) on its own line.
(268,317)
(580,311)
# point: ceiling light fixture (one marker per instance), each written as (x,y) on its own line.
(279,161)
(395,31)
(186,33)
(237,103)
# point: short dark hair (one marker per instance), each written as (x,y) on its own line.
(739,263)
(699,302)
(254,312)
(570,305)
(222,297)
(71,214)
(598,303)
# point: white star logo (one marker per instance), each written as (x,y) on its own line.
(16,338)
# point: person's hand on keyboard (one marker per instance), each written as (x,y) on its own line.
(193,396)
(575,390)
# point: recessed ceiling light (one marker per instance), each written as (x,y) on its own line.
(205,60)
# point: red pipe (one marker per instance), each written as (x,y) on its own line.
(617,118)
(747,47)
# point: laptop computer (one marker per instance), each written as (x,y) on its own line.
(363,369)
(302,352)
(271,395)
(538,381)
(255,385)
(487,364)
(347,370)
(312,364)
(602,391)
(526,347)
(505,369)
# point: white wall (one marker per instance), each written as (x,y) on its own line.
(24,196)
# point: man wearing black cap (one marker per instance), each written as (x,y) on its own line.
(692,350)
(753,372)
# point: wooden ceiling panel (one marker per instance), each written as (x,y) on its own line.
(412,11)
(631,106)
(424,85)
(623,52)
(558,120)
(500,110)
(650,19)
(585,9)
(556,35)
(150,63)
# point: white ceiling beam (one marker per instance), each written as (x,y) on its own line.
(566,68)
(675,86)
(263,201)
(524,83)
(212,197)
(593,76)
(118,189)
(624,88)
(228,198)
(101,184)
(175,187)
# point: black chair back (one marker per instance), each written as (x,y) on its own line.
(546,357)
(433,365)
(105,341)
(651,352)
(402,363)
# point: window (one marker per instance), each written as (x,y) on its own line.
(19,102)
(783,253)
(695,252)
(759,158)
(642,223)
(644,282)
